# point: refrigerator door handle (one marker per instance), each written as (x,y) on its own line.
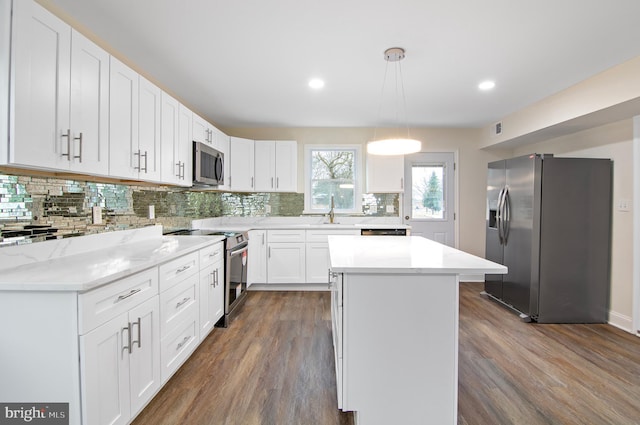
(499,216)
(506,215)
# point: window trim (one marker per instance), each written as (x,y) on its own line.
(357,177)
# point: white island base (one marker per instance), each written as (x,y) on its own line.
(395,327)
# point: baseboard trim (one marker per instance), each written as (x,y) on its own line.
(289,287)
(621,321)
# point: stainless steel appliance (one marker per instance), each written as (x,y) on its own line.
(236,246)
(387,231)
(208,165)
(548,221)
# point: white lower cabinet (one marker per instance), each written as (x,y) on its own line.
(257,267)
(286,256)
(120,359)
(179,308)
(211,287)
(317,258)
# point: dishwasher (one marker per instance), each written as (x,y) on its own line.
(391,231)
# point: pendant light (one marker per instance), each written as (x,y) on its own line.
(396,145)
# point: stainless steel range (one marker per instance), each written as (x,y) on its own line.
(236,245)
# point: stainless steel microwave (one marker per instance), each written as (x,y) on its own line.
(208,165)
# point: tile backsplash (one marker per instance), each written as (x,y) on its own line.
(34,209)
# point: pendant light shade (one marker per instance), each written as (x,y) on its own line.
(397,145)
(393,146)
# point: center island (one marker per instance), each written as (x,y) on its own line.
(394,313)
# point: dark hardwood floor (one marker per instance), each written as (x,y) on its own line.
(274,366)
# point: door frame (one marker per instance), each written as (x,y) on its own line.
(636,227)
(456,195)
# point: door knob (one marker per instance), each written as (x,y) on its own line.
(406,217)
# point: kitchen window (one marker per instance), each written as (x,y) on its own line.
(332,170)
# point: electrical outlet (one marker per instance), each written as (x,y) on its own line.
(390,209)
(624,205)
(267,209)
(96,215)
(152,212)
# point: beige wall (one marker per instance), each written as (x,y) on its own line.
(471,165)
(614,141)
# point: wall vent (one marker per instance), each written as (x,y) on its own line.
(497,128)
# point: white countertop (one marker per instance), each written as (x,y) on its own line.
(403,254)
(93,267)
(302,223)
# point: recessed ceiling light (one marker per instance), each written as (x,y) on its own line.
(487,85)
(316,83)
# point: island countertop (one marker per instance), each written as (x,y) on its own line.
(404,254)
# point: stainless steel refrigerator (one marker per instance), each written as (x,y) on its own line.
(549,222)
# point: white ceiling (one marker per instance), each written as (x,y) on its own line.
(246,63)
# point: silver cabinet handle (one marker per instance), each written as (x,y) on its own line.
(68,137)
(272,182)
(182,171)
(125,296)
(145,161)
(137,323)
(128,346)
(79,156)
(138,155)
(401,183)
(178,165)
(183,342)
(216,278)
(212,279)
(184,300)
(269,252)
(252,182)
(277,182)
(183,268)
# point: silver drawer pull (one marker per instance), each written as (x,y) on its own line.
(184,300)
(183,268)
(132,292)
(184,341)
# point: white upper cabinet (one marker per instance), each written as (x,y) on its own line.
(123,121)
(185,143)
(201,130)
(241,165)
(59,103)
(134,125)
(89,106)
(385,174)
(175,138)
(149,131)
(276,166)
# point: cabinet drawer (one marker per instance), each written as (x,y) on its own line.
(102,304)
(177,302)
(211,255)
(176,270)
(178,345)
(320,235)
(286,235)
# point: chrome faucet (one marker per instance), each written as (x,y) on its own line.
(331,212)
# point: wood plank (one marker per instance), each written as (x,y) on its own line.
(274,366)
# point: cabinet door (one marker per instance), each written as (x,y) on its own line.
(286,262)
(104,355)
(89,106)
(170,170)
(123,120)
(41,54)
(144,360)
(149,130)
(241,167)
(265,165)
(211,297)
(286,166)
(317,262)
(184,148)
(385,173)
(200,129)
(257,266)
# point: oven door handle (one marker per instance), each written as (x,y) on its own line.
(239,251)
